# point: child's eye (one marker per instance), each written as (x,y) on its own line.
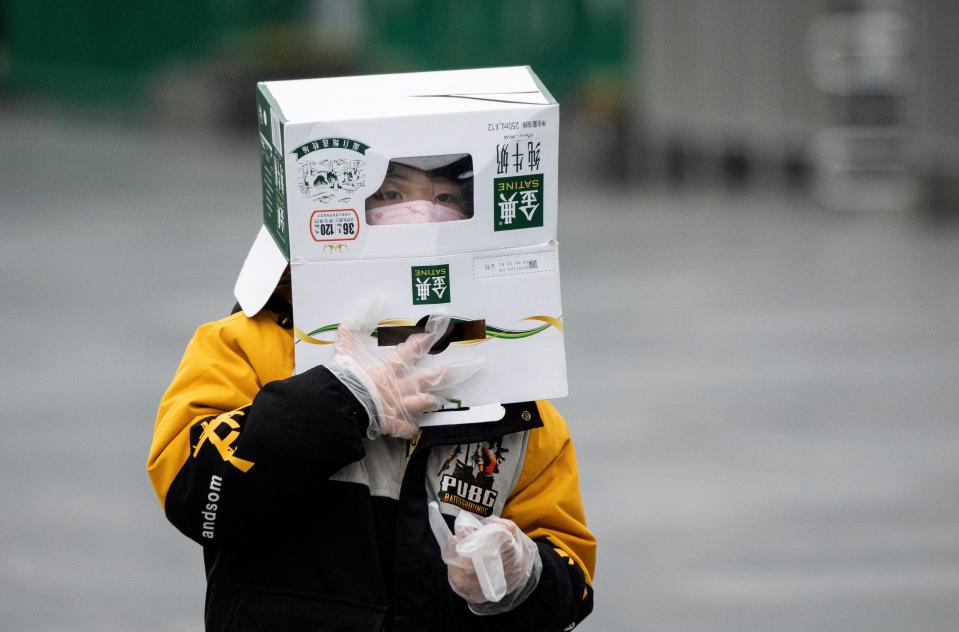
(449,199)
(391,195)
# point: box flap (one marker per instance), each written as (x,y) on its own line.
(407,94)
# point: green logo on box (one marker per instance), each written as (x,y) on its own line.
(518,202)
(431,284)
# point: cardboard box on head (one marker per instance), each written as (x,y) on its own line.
(434,191)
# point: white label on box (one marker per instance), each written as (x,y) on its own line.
(514,264)
(341,224)
(276,131)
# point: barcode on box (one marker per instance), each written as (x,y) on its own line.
(521,263)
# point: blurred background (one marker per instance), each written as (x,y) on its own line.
(761,281)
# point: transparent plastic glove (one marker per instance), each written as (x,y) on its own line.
(490,563)
(387,381)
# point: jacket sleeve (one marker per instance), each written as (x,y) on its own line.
(546,504)
(228,455)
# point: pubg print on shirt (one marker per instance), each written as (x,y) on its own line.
(467,474)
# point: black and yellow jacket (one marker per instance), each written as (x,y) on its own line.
(307,524)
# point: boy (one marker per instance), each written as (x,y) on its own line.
(309,492)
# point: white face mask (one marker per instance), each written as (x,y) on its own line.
(414,212)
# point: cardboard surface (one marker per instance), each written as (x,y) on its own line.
(516,291)
(327,145)
(262,270)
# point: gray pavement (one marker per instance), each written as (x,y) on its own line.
(763,394)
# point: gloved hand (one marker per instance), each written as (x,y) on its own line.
(490,563)
(386,380)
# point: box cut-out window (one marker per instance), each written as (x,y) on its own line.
(423,190)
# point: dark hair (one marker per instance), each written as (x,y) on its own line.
(459,172)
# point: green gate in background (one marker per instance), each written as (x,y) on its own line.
(108,50)
(568,43)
